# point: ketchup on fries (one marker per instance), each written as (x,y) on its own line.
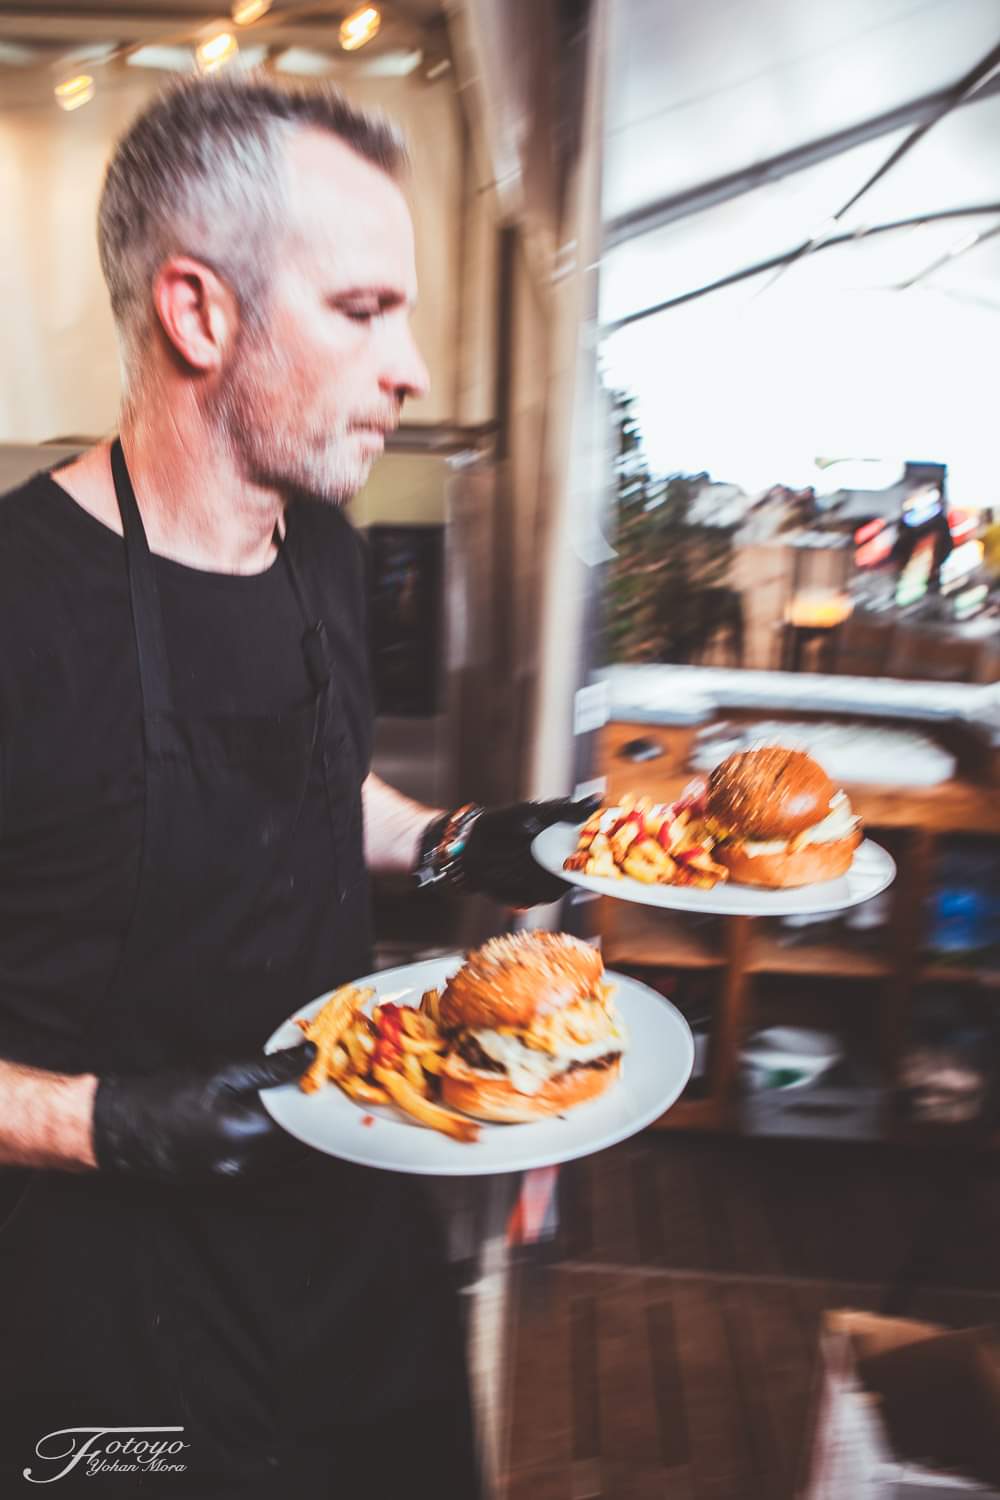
(392,1056)
(657,843)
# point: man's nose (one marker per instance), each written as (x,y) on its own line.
(405,375)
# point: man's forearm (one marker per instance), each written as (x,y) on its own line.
(394,826)
(46,1119)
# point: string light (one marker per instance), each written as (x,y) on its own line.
(215,51)
(218,48)
(245,12)
(359,27)
(74,92)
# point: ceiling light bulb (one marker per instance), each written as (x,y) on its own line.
(360,27)
(215,51)
(245,12)
(75,91)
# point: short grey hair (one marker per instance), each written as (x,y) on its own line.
(200,173)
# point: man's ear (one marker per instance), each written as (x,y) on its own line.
(197,312)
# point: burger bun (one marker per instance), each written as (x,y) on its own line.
(486,1097)
(806,866)
(770,793)
(511,979)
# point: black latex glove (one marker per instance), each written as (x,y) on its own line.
(194,1124)
(497,859)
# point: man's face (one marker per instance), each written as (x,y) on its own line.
(308,397)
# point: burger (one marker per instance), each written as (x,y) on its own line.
(779,820)
(531,1029)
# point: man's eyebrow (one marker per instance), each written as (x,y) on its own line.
(388,296)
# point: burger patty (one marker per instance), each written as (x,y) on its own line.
(469,1049)
(600,1063)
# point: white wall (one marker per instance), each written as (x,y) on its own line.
(60,365)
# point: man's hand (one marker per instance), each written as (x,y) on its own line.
(497,859)
(195,1124)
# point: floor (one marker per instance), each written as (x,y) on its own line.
(666,1346)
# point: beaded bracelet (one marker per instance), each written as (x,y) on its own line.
(439,860)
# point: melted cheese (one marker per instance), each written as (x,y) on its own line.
(574,1025)
(529,1069)
(839,823)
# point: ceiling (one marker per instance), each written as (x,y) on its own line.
(38,32)
(738,132)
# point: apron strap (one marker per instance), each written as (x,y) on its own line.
(315,646)
(339,761)
(144,598)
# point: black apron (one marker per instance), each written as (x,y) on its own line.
(275,1321)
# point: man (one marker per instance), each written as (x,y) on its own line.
(187,811)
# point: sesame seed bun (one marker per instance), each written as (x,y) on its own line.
(771,793)
(805,866)
(512,979)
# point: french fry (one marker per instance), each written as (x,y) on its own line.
(325,1029)
(340,1060)
(408,1099)
(654,821)
(412,1048)
(653,853)
(419,1034)
(655,843)
(430,1005)
(602,863)
(364,1093)
(679,832)
(359,1047)
(413,1023)
(648,862)
(346,1038)
(413,1073)
(622,841)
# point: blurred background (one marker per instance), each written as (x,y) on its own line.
(710,297)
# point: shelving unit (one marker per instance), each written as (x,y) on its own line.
(738,951)
(934,973)
(769,956)
(646,936)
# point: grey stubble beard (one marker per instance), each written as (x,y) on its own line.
(300,464)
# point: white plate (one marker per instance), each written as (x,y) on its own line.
(873,869)
(657,1066)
